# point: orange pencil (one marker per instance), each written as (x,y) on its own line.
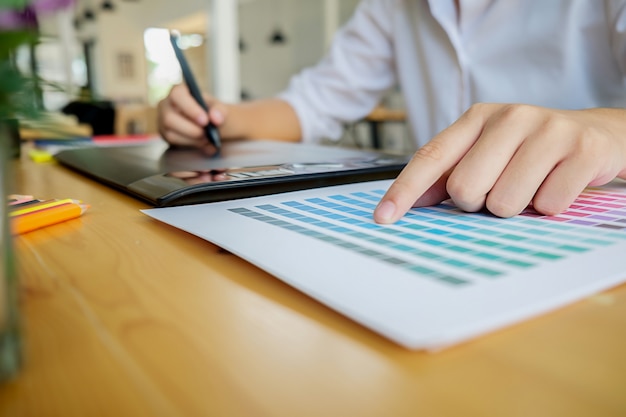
(31,221)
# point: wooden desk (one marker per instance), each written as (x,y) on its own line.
(379,116)
(125,316)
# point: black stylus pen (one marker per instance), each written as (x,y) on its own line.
(210,129)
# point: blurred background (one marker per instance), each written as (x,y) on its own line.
(116,54)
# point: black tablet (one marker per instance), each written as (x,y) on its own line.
(166,176)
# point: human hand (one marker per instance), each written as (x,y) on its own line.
(181,120)
(504,157)
(200,176)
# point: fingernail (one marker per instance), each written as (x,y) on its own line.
(203,120)
(385,211)
(217,116)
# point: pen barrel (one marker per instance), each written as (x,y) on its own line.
(210,130)
(45,217)
(213,135)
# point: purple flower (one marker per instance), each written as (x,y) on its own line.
(26,18)
(46,6)
(18,19)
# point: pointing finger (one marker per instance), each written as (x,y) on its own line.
(431,162)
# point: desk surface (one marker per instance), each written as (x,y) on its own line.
(126,316)
(385,114)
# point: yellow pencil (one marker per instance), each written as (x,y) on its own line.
(40,206)
(35,220)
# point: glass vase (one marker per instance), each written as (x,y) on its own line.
(10,347)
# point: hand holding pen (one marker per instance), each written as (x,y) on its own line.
(210,130)
(183,121)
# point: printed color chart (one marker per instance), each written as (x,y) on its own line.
(594,207)
(440,243)
(437,276)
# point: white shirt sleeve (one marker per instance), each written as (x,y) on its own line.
(351,79)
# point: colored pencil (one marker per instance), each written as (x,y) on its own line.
(31,208)
(16,199)
(15,206)
(45,217)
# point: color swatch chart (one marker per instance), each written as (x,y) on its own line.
(436,277)
(594,207)
(444,244)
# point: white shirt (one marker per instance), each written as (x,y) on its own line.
(567,54)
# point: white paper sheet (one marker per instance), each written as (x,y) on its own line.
(437,277)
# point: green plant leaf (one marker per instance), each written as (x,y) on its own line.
(12,39)
(13,4)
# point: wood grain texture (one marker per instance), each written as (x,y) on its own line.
(125,316)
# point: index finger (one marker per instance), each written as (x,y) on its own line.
(185,104)
(430,162)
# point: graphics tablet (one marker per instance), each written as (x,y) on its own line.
(166,176)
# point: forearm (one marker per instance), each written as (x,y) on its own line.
(261,119)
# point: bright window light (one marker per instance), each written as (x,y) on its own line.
(163,68)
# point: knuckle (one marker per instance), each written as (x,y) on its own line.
(461,190)
(176,93)
(477,108)
(456,186)
(517,112)
(166,120)
(431,151)
(555,126)
(588,143)
(167,135)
